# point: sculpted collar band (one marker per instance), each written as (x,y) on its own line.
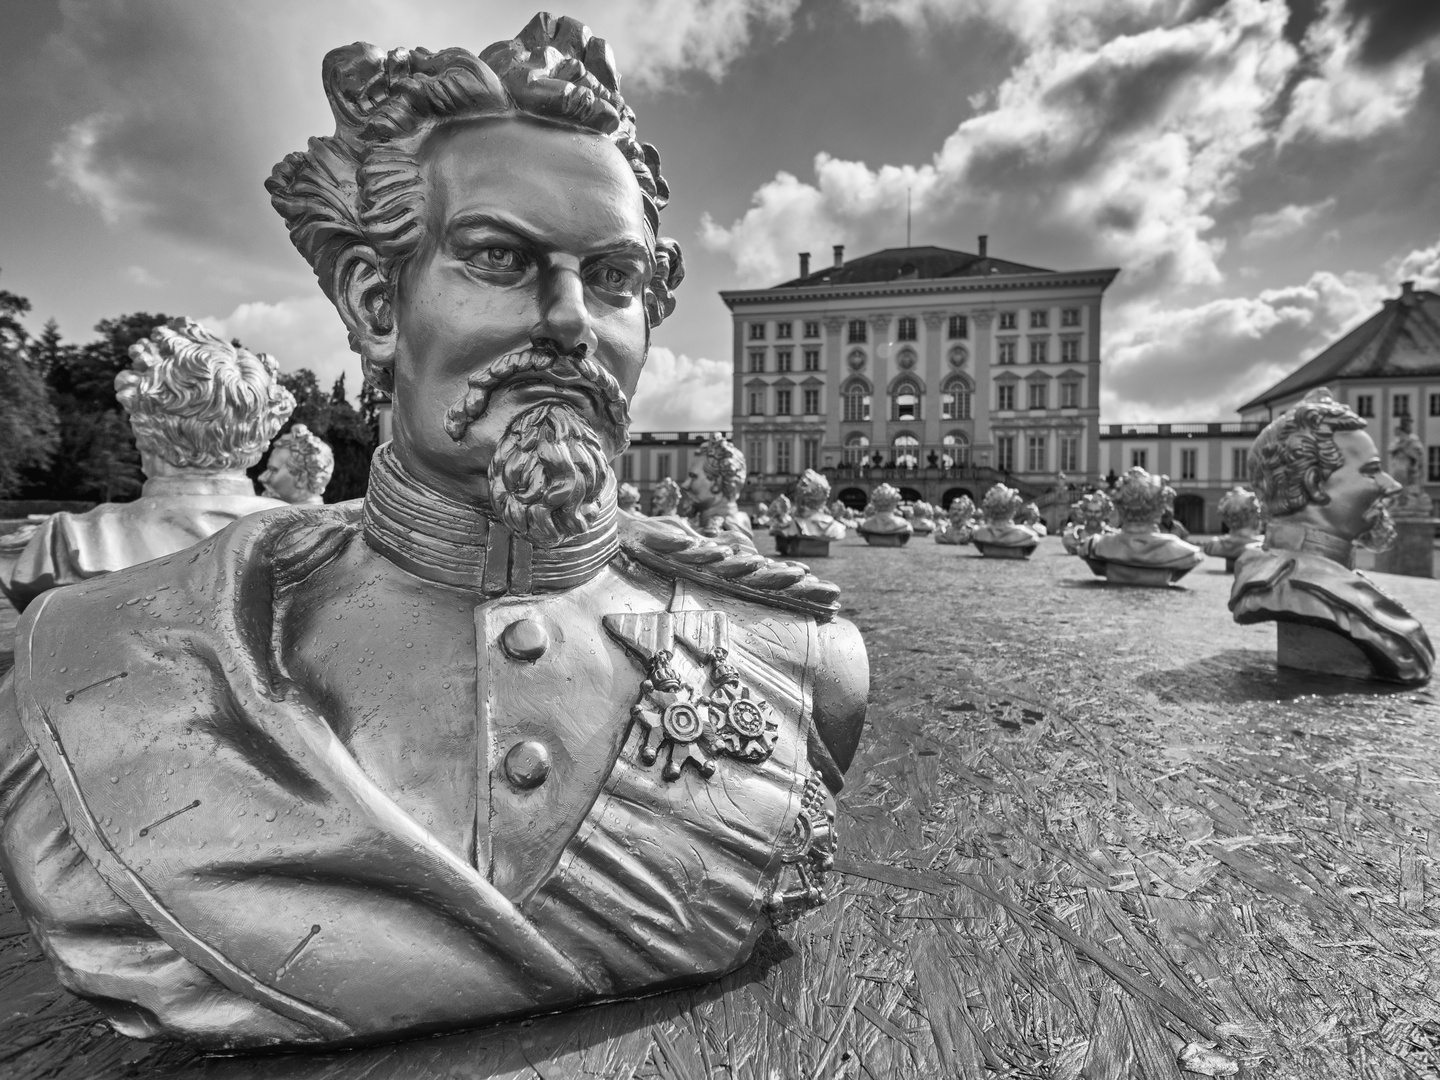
(434,537)
(1285,536)
(199,482)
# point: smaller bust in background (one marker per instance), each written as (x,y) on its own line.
(780,516)
(299,469)
(1029,516)
(665,499)
(810,529)
(1242,516)
(957,527)
(1090,516)
(1325,491)
(1407,465)
(883,524)
(717,475)
(1000,537)
(203,411)
(627,497)
(761,518)
(1141,553)
(922,518)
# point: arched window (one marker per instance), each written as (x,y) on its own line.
(904,400)
(957,450)
(856,447)
(855,400)
(907,451)
(956,399)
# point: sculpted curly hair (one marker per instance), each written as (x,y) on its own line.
(724,465)
(1001,504)
(312,462)
(1295,455)
(812,492)
(1142,497)
(1240,509)
(199,402)
(356,199)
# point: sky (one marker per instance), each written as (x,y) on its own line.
(1263,172)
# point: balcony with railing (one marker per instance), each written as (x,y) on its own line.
(1167,431)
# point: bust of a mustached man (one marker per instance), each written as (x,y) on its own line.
(1325,492)
(475,746)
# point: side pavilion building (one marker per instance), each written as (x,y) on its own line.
(936,370)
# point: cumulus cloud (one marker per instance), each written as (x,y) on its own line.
(300,332)
(1265,228)
(1125,148)
(1421,266)
(682,393)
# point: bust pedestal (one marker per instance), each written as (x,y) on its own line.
(1156,577)
(1003,551)
(810,547)
(885,539)
(1310,648)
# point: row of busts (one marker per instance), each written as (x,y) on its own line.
(203,411)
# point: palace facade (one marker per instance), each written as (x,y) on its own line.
(933,369)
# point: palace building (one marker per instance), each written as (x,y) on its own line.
(936,370)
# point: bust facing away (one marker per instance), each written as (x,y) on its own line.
(203,411)
(1000,537)
(883,524)
(1325,491)
(1140,553)
(1243,517)
(480,745)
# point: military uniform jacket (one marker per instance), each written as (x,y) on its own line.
(275,790)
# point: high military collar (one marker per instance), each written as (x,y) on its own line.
(1288,536)
(436,538)
(198,482)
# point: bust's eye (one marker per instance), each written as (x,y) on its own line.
(501,259)
(617,279)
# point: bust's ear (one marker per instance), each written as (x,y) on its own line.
(362,296)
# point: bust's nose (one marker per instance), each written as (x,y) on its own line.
(564,320)
(1389,485)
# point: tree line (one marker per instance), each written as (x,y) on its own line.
(63,436)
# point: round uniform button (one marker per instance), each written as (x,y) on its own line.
(527,764)
(524,639)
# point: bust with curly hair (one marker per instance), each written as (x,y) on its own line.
(1323,486)
(203,411)
(300,466)
(1243,517)
(478,746)
(1140,552)
(958,523)
(883,524)
(1089,516)
(717,476)
(1000,536)
(809,531)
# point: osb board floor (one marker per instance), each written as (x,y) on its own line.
(1090,833)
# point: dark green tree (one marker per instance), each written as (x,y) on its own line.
(29,426)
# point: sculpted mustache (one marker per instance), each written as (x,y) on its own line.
(567,370)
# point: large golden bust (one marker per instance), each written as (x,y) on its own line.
(478,745)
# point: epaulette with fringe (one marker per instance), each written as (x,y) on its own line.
(672,548)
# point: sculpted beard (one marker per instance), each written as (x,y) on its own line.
(551,465)
(1381,534)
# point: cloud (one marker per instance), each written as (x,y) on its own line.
(142,277)
(1265,228)
(300,332)
(1123,150)
(1421,266)
(682,393)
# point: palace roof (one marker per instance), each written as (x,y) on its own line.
(910,264)
(1402,338)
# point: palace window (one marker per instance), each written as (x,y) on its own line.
(955,404)
(782,359)
(1039,319)
(757,361)
(1070,351)
(1069,395)
(1364,404)
(957,450)
(905,402)
(811,399)
(1006,353)
(662,466)
(1039,351)
(757,402)
(959,327)
(905,328)
(857,448)
(1189,463)
(757,331)
(1038,395)
(855,406)
(1400,405)
(1035,453)
(812,359)
(1435,404)
(907,451)
(810,454)
(1433,461)
(1139,457)
(1005,453)
(782,404)
(1070,316)
(782,329)
(783,451)
(1069,453)
(1007,320)
(1005,397)
(857,331)
(1240,464)
(755,455)
(812,329)
(627,466)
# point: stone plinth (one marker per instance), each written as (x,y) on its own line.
(804,547)
(1154,577)
(1004,551)
(895,539)
(1414,552)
